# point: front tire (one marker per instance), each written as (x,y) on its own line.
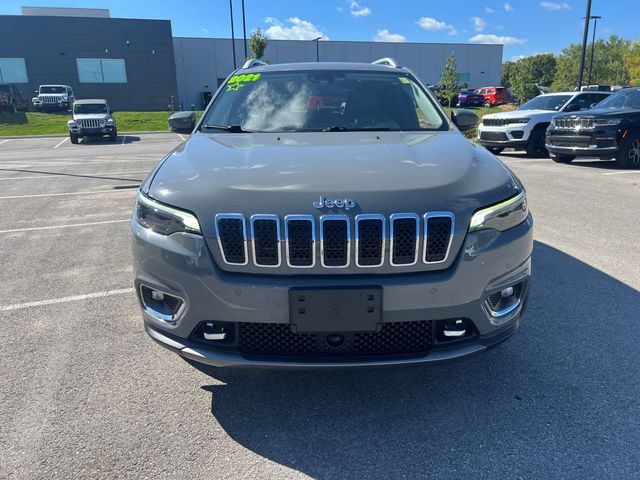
(629,154)
(535,146)
(562,158)
(487,103)
(74,138)
(113,136)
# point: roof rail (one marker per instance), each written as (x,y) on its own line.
(252,62)
(386,61)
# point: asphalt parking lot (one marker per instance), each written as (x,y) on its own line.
(84,393)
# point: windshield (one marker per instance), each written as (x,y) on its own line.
(88,108)
(546,102)
(52,90)
(622,99)
(314,101)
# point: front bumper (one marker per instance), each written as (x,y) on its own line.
(181,265)
(92,132)
(513,135)
(599,143)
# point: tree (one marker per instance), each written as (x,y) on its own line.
(258,43)
(523,82)
(449,87)
(540,69)
(609,64)
(632,62)
(507,70)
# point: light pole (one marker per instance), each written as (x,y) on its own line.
(584,43)
(317,48)
(593,45)
(233,36)
(244,32)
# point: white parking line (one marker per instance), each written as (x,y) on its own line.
(124,137)
(51,227)
(66,164)
(4,141)
(183,139)
(125,188)
(65,139)
(75,298)
(623,172)
(74,175)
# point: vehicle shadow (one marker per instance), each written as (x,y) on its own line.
(122,140)
(68,174)
(560,399)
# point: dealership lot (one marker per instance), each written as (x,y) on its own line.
(85,393)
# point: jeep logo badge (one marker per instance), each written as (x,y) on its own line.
(346,203)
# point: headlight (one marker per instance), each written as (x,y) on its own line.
(109,121)
(520,120)
(71,123)
(502,216)
(164,219)
(607,122)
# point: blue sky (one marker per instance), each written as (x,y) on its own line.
(525,27)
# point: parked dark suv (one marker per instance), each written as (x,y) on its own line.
(611,130)
(11,99)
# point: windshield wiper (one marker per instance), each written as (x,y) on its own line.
(227,128)
(342,128)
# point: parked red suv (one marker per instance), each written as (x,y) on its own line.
(495,95)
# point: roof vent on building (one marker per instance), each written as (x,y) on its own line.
(387,62)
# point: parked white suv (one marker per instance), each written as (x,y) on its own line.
(53,97)
(525,127)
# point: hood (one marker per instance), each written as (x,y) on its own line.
(600,112)
(384,172)
(86,116)
(522,114)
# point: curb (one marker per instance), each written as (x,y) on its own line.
(60,135)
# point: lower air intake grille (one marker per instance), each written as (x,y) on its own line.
(438,233)
(277,339)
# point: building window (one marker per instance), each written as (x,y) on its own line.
(13,70)
(101,70)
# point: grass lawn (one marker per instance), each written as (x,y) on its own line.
(34,123)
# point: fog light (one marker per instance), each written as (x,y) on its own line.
(160,305)
(507,292)
(156,295)
(452,330)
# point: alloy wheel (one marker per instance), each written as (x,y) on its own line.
(634,152)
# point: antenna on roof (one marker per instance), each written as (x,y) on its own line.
(387,62)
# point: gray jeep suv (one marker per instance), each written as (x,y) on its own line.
(330,214)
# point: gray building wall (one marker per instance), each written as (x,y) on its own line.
(202,62)
(51,44)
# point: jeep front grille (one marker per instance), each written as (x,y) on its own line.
(341,240)
(574,123)
(90,123)
(51,99)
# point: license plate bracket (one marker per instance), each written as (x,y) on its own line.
(335,310)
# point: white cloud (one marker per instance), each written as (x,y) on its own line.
(515,58)
(508,8)
(489,10)
(204,30)
(340,9)
(554,7)
(431,24)
(297,29)
(479,24)
(385,35)
(496,39)
(358,10)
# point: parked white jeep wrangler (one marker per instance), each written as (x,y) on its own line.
(92,118)
(53,97)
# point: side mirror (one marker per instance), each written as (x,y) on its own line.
(464,119)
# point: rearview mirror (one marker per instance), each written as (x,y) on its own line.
(464,119)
